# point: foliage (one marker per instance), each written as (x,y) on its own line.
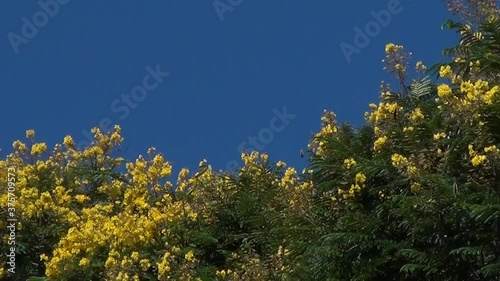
(413,194)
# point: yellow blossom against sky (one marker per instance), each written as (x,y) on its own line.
(126,218)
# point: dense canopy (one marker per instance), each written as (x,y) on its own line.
(413,194)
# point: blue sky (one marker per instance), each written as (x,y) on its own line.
(233,66)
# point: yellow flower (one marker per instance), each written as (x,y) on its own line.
(134,256)
(68,142)
(84,262)
(392,48)
(398,160)
(182,175)
(220,273)
(417,115)
(439,136)
(377,145)
(289,177)
(446,72)
(491,148)
(491,94)
(163,266)
(349,163)
(412,170)
(19,146)
(126,263)
(478,160)
(30,134)
(355,189)
(38,148)
(264,157)
(110,262)
(166,170)
(43,257)
(189,256)
(192,216)
(444,91)
(472,152)
(116,138)
(145,264)
(360,178)
(408,129)
(80,198)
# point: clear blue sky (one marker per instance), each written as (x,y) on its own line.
(228,69)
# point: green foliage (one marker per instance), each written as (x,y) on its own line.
(476,46)
(356,215)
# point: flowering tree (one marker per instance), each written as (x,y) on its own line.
(413,194)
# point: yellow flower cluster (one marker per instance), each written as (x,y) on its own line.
(30,134)
(417,115)
(348,163)
(492,149)
(474,95)
(379,143)
(329,123)
(38,148)
(444,91)
(446,72)
(392,48)
(283,251)
(69,142)
(290,177)
(359,181)
(439,136)
(328,129)
(478,160)
(223,273)
(465,104)
(402,163)
(383,112)
(408,129)
(492,153)
(129,217)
